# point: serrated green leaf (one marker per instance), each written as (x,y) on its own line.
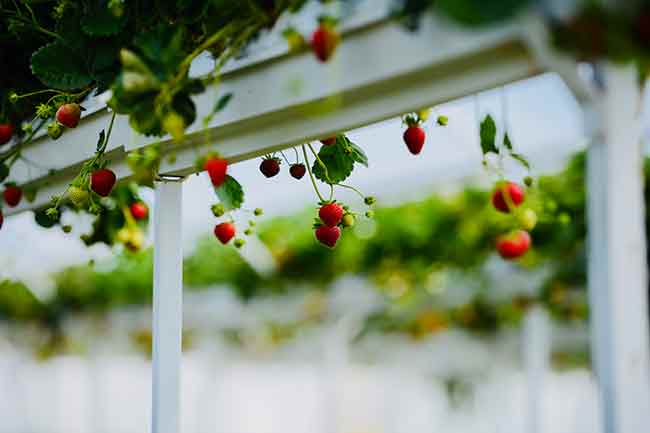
(488,135)
(98,20)
(60,67)
(358,154)
(521,159)
(230,193)
(338,163)
(506,142)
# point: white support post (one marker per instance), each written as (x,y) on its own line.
(618,280)
(167,306)
(536,334)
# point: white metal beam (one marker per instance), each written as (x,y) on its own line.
(167,307)
(618,280)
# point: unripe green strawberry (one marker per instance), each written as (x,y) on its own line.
(78,196)
(132,61)
(135,82)
(54,130)
(239,243)
(527,219)
(348,220)
(369,200)
(218,210)
(258,211)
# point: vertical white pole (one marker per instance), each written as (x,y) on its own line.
(167,307)
(536,343)
(618,281)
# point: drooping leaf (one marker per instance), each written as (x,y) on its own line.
(358,154)
(338,163)
(230,193)
(506,142)
(60,67)
(488,135)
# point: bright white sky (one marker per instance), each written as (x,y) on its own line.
(545,123)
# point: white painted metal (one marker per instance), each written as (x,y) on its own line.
(167,307)
(618,281)
(536,342)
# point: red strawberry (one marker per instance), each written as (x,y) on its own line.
(6,131)
(216,168)
(139,210)
(414,138)
(329,141)
(514,244)
(331,214)
(68,115)
(324,41)
(328,235)
(298,170)
(224,232)
(2,219)
(513,190)
(270,166)
(102,181)
(12,195)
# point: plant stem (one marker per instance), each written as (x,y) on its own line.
(352,188)
(311,176)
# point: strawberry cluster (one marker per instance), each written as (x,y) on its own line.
(507,198)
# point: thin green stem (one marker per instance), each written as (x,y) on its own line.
(321,163)
(38,92)
(311,176)
(351,188)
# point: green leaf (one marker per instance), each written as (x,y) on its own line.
(60,67)
(358,154)
(339,163)
(506,142)
(100,21)
(488,135)
(230,193)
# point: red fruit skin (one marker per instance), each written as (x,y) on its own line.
(102,181)
(328,236)
(2,219)
(6,131)
(297,170)
(270,167)
(224,232)
(414,138)
(139,210)
(331,214)
(324,41)
(68,115)
(329,141)
(513,245)
(217,169)
(12,195)
(515,192)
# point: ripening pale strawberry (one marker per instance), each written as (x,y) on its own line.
(414,137)
(331,214)
(224,232)
(514,244)
(139,210)
(217,169)
(12,195)
(102,181)
(6,131)
(78,196)
(328,236)
(324,41)
(514,191)
(68,115)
